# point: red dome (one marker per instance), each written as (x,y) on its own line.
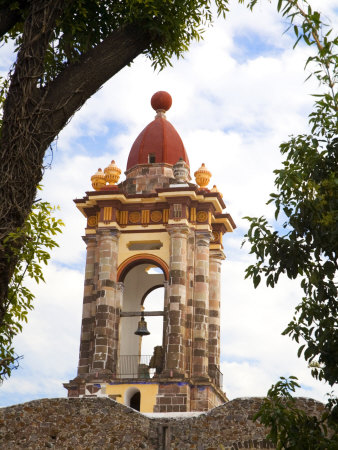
(159,142)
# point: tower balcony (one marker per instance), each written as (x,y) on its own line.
(135,366)
(139,367)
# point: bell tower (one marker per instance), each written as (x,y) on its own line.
(156,229)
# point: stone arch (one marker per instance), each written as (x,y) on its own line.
(144,258)
(157,286)
(135,351)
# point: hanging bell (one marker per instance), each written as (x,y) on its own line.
(142,327)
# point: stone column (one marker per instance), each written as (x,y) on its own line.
(116,331)
(201,306)
(165,317)
(107,315)
(175,333)
(216,257)
(88,309)
(189,306)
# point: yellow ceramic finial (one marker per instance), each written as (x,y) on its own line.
(112,173)
(202,176)
(98,180)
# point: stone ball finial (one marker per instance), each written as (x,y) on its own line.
(161,101)
(202,176)
(98,180)
(112,173)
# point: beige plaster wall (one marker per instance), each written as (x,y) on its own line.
(124,253)
(148,394)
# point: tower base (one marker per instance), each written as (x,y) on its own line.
(151,395)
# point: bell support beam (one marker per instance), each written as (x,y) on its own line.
(141,313)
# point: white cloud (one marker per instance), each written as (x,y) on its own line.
(50,339)
(232,113)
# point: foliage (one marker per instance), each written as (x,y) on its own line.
(83,24)
(307,202)
(304,244)
(30,246)
(65,51)
(290,427)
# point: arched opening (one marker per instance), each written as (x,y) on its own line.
(132,398)
(153,301)
(135,401)
(145,258)
(143,292)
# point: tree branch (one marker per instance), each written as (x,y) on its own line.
(8,19)
(28,130)
(21,155)
(80,80)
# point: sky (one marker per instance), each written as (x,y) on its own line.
(237,95)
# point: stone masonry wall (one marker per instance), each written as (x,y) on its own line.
(102,423)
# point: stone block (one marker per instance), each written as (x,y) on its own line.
(174,298)
(98,364)
(174,306)
(165,400)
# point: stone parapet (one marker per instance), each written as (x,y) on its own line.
(103,423)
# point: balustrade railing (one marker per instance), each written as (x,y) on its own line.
(135,366)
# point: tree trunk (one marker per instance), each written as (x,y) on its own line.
(34,116)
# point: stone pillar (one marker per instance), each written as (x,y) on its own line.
(116,331)
(88,309)
(165,317)
(175,333)
(189,306)
(201,306)
(216,257)
(107,315)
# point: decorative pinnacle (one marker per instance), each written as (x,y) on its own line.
(98,180)
(112,173)
(161,101)
(202,176)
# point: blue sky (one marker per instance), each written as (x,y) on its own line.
(252,45)
(236,96)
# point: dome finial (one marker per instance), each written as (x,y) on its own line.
(161,101)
